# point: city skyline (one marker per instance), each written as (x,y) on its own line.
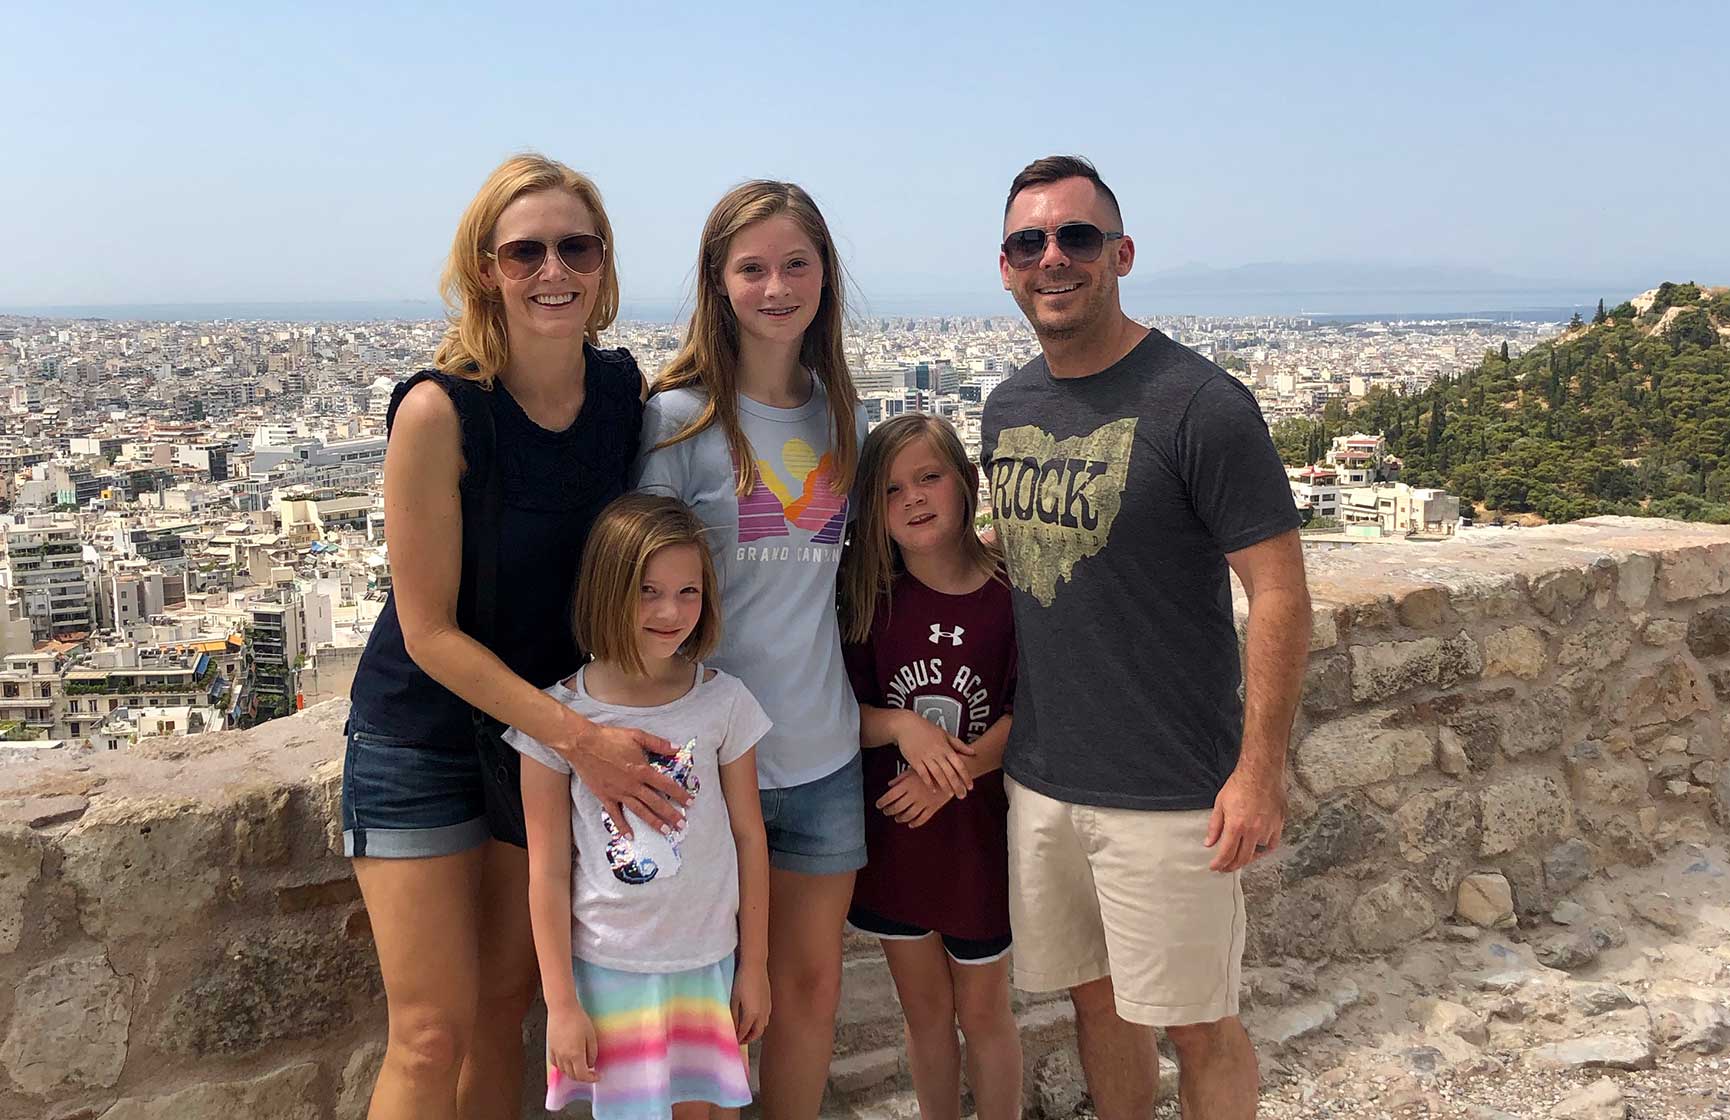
(275,156)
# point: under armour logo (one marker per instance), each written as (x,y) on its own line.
(938,634)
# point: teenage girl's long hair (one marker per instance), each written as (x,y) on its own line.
(709,358)
(872,561)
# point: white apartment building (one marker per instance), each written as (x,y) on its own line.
(1396,509)
(44,564)
(1315,489)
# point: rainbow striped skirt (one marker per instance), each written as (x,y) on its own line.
(661,1037)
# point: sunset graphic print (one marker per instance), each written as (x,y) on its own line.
(800,491)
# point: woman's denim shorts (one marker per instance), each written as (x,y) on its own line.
(818,828)
(404,799)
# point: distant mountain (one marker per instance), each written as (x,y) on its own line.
(1330,278)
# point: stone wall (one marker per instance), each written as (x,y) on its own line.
(180,937)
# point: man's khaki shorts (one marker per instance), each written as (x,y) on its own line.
(1124,893)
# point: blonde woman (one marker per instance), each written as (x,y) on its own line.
(756,426)
(499,461)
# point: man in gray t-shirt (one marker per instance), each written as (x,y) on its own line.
(1128,477)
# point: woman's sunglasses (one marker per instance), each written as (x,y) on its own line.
(581,253)
(1079,241)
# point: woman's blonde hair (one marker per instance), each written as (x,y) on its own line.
(628,531)
(476,344)
(709,358)
(872,561)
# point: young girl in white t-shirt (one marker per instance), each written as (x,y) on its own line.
(653,945)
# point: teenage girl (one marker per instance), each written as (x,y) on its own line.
(931,652)
(653,945)
(755,424)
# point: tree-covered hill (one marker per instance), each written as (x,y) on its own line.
(1629,413)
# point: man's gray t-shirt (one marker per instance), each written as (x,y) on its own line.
(1116,498)
(658,902)
(776,552)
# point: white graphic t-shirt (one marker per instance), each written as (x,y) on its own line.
(776,551)
(654,902)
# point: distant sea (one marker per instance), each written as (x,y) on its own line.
(1527,306)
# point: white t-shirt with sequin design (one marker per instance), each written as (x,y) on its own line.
(658,902)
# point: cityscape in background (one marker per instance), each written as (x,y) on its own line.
(194,534)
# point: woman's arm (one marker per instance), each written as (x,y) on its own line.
(423,511)
(547,811)
(745,815)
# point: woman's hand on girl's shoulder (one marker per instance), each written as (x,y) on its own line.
(571,1043)
(934,754)
(751,1002)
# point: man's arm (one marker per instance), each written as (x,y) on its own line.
(1249,813)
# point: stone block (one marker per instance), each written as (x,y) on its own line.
(143,865)
(1436,821)
(1592,649)
(1557,594)
(1691,573)
(1390,915)
(1485,899)
(1608,779)
(1567,865)
(858,1074)
(1058,1085)
(1324,628)
(20,869)
(71,1027)
(1342,830)
(1605,1051)
(1518,651)
(1388,668)
(1422,608)
(291,1093)
(1361,750)
(1306,919)
(358,1076)
(1601,1100)
(1663,631)
(1461,659)
(1709,632)
(1444,1017)
(1451,756)
(1720,679)
(1537,723)
(1327,685)
(287,982)
(1634,578)
(1668,692)
(1521,808)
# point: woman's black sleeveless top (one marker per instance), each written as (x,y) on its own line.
(553,486)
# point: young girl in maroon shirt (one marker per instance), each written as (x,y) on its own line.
(931,653)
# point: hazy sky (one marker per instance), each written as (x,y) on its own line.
(171,153)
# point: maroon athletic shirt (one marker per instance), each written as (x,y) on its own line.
(950,658)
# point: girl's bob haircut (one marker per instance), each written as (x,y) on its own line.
(475,344)
(629,531)
(872,561)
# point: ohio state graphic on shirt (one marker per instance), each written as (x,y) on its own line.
(951,659)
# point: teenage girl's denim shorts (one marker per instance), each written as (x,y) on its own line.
(818,828)
(404,799)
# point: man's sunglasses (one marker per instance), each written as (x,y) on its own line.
(582,253)
(1079,241)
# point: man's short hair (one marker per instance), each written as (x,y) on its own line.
(1054,169)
